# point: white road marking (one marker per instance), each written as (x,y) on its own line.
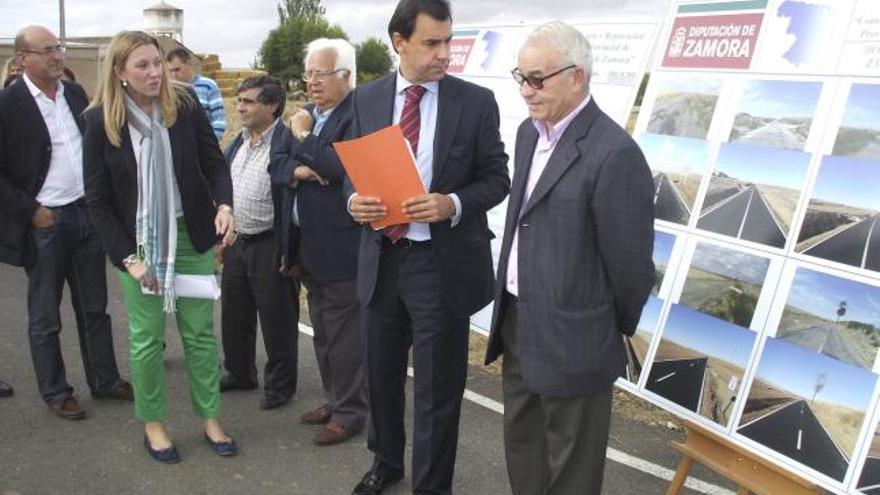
(613,454)
(670,375)
(742,224)
(800,439)
(868,243)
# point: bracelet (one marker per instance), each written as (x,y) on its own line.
(130,260)
(225,208)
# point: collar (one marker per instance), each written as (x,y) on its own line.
(553,135)
(318,114)
(35,91)
(262,139)
(402,83)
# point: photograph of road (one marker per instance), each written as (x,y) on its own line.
(663,244)
(678,165)
(724,283)
(754,192)
(684,106)
(700,362)
(807,406)
(869,479)
(859,134)
(778,114)
(637,346)
(833,316)
(841,220)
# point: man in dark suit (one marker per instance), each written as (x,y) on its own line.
(253,280)
(44,223)
(574,272)
(419,283)
(329,240)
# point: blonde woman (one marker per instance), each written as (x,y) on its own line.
(160,196)
(12,70)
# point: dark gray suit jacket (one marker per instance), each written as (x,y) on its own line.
(584,266)
(469,160)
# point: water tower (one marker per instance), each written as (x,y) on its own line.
(164,20)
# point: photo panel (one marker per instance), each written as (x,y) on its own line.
(807,406)
(834,316)
(684,106)
(869,478)
(638,345)
(754,192)
(840,222)
(664,242)
(724,283)
(859,134)
(700,363)
(678,165)
(776,113)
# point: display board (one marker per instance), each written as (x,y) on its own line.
(761,125)
(485,55)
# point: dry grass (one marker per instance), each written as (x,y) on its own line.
(841,423)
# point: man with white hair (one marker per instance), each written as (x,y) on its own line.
(574,272)
(329,240)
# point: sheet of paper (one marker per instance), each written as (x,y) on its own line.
(382,165)
(197,286)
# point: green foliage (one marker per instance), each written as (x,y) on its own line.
(736,305)
(373,59)
(301,21)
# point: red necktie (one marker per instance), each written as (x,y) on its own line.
(410,125)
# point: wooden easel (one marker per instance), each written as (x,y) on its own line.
(750,473)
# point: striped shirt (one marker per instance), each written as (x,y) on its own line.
(212,101)
(251,184)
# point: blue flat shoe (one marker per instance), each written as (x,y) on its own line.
(165,456)
(223,449)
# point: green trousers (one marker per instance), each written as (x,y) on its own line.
(195,321)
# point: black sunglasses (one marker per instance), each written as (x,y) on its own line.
(536,82)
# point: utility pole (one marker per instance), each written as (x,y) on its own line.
(61,23)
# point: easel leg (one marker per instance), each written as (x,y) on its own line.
(681,474)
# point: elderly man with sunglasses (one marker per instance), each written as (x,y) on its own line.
(574,272)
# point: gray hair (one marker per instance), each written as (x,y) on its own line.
(572,45)
(345,56)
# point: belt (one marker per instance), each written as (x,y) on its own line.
(256,237)
(406,243)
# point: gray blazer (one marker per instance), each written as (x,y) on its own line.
(584,266)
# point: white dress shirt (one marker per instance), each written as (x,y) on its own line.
(64,182)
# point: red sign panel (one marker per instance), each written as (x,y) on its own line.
(459,51)
(713,42)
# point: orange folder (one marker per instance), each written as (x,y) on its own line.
(381,165)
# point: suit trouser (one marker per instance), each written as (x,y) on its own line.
(70,250)
(253,286)
(407,310)
(335,315)
(195,322)
(553,445)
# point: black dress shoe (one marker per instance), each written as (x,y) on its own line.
(229,382)
(122,392)
(273,400)
(165,456)
(373,484)
(6,389)
(223,449)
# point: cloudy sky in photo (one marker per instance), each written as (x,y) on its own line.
(236,29)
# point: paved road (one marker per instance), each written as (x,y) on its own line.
(777,134)
(668,203)
(679,380)
(744,215)
(827,339)
(41,454)
(796,432)
(858,245)
(869,481)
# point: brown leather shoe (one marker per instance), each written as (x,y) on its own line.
(68,409)
(331,434)
(122,392)
(317,416)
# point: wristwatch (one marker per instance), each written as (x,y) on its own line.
(225,208)
(130,260)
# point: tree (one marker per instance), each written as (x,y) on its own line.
(300,22)
(373,59)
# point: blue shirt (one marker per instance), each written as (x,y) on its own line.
(212,101)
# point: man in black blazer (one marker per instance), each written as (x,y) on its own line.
(574,272)
(419,284)
(253,280)
(329,241)
(45,226)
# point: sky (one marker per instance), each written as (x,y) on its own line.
(236,29)
(732,264)
(650,315)
(764,165)
(663,243)
(675,154)
(820,295)
(781,99)
(849,181)
(863,107)
(710,336)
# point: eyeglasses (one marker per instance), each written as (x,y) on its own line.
(536,81)
(321,76)
(49,50)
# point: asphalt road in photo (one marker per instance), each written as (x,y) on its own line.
(668,203)
(858,245)
(679,380)
(744,215)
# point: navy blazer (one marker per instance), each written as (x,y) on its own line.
(25,155)
(469,160)
(286,235)
(330,237)
(111,180)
